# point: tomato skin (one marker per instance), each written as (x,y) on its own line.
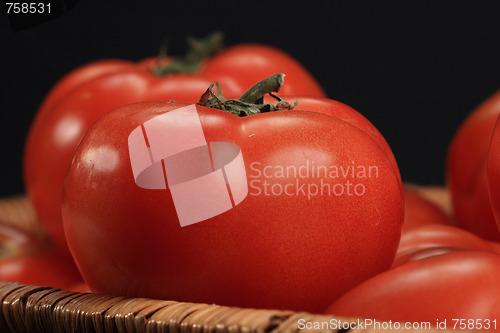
(420,211)
(81,75)
(435,239)
(494,172)
(466,170)
(457,285)
(85,94)
(275,251)
(29,260)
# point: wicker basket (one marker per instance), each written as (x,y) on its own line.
(42,309)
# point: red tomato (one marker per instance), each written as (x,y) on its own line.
(454,286)
(321,194)
(84,95)
(420,211)
(435,239)
(247,64)
(466,170)
(30,260)
(494,172)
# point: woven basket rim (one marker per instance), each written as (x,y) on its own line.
(27,308)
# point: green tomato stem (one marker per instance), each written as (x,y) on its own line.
(252,101)
(200,49)
(256,93)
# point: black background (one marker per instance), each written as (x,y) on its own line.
(414,68)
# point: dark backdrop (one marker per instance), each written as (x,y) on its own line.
(414,68)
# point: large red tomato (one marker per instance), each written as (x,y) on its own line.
(29,260)
(296,197)
(85,94)
(458,287)
(494,172)
(466,170)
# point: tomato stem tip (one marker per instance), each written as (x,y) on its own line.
(252,101)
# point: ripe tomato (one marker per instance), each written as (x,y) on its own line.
(247,64)
(30,260)
(494,172)
(466,170)
(310,195)
(435,239)
(458,285)
(84,95)
(421,211)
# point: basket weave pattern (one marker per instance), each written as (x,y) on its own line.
(43,309)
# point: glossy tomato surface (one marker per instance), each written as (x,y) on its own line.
(466,170)
(30,260)
(85,94)
(321,195)
(454,286)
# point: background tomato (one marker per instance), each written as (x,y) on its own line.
(421,211)
(27,259)
(466,170)
(434,239)
(271,250)
(84,95)
(247,64)
(457,285)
